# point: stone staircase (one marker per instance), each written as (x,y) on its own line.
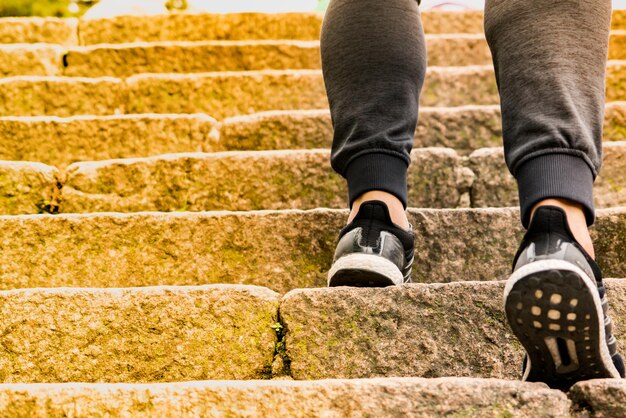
(169,216)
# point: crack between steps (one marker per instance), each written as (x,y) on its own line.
(281,364)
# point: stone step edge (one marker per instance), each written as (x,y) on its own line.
(340,397)
(128,59)
(281,365)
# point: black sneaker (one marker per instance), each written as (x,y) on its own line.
(556,304)
(372,251)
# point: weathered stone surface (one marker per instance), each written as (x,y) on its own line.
(201,27)
(27,188)
(421,330)
(137,335)
(615,121)
(185,57)
(37,59)
(453,22)
(390,397)
(455,329)
(246,181)
(495,187)
(60,96)
(600,398)
(464,128)
(38,30)
(458,50)
(274,130)
(616,81)
(619,20)
(62,141)
(118,250)
(242,26)
(459,86)
(115,250)
(617,45)
(227,94)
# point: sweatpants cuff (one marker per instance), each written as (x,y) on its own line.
(377,172)
(555,176)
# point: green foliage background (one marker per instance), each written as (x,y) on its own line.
(56,8)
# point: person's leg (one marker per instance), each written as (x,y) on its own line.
(374,64)
(550,60)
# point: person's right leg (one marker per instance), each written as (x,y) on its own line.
(550,59)
(374,64)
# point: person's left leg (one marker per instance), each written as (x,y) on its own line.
(550,60)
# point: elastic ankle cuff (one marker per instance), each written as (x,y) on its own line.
(377,172)
(555,176)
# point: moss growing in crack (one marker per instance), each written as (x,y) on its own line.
(280,351)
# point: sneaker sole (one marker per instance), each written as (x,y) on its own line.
(364,270)
(554,310)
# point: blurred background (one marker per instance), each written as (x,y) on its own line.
(76,8)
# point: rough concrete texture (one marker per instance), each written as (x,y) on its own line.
(38,30)
(62,141)
(27,188)
(137,335)
(391,397)
(601,398)
(494,186)
(60,96)
(37,59)
(456,329)
(185,57)
(246,181)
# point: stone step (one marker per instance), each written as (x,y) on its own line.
(203,27)
(225,94)
(25,30)
(245,181)
(455,329)
(62,141)
(181,27)
(494,186)
(299,179)
(600,398)
(28,188)
(245,26)
(125,60)
(390,397)
(282,250)
(137,335)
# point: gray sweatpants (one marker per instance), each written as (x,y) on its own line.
(549,58)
